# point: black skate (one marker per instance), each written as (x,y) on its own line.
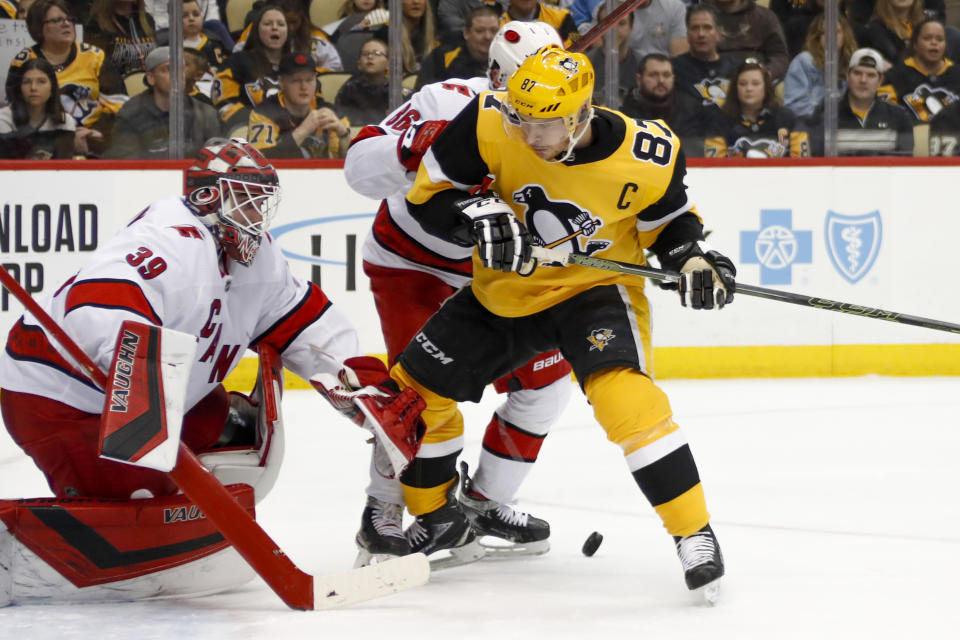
(523,534)
(381,533)
(446,528)
(702,562)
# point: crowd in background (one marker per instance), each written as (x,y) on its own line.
(733,78)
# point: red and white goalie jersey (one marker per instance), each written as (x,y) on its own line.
(373,169)
(163,269)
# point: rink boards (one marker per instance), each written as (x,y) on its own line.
(879,236)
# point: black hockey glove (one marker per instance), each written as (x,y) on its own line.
(503,241)
(707,275)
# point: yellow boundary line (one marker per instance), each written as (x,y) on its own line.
(820,361)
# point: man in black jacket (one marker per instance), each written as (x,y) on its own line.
(142,127)
(866,124)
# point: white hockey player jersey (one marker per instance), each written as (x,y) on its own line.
(373,169)
(163,269)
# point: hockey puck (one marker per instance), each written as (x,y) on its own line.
(592,544)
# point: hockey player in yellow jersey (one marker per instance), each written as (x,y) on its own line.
(579,179)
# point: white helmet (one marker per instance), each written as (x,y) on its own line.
(515,42)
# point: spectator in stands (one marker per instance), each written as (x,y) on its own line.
(303,36)
(860,12)
(352,11)
(209,19)
(659,27)
(193,36)
(751,124)
(364,19)
(804,86)
(866,123)
(703,72)
(890,26)
(198,79)
(532,10)
(90,88)
(419,33)
(34,125)
(751,31)
(795,17)
(626,58)
(945,131)
(654,98)
(22,7)
(123,30)
(248,77)
(142,129)
(927,81)
(294,123)
(466,60)
(365,97)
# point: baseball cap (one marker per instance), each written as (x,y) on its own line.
(156,58)
(867,57)
(293,62)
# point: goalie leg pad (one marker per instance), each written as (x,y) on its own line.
(63,550)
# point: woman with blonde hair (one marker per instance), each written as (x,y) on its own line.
(804,86)
(891,27)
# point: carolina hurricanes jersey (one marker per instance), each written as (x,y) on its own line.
(613,198)
(163,269)
(373,169)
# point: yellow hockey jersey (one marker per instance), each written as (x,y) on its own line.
(612,199)
(80,77)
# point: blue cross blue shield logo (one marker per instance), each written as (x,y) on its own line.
(853,243)
(776,246)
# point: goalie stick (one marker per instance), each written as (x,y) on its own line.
(813,302)
(297,589)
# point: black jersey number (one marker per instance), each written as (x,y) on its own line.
(653,143)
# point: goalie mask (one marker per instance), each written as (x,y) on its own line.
(235,192)
(548,102)
(515,42)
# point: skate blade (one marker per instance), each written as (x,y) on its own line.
(459,556)
(365,558)
(709,593)
(500,549)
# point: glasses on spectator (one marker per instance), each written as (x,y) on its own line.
(60,20)
(373,54)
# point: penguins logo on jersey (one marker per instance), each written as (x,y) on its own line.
(76,101)
(926,101)
(713,90)
(559,224)
(600,338)
(757,148)
(261,89)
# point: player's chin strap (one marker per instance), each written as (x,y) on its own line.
(552,255)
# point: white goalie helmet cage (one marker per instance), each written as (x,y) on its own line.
(515,42)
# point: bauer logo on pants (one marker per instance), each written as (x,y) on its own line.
(853,243)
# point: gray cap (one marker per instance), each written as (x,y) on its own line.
(156,58)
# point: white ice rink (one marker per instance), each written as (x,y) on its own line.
(835,502)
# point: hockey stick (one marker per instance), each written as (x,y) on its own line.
(297,589)
(552,255)
(604,25)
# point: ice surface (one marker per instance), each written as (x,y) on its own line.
(835,502)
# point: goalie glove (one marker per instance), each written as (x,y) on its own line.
(364,392)
(416,140)
(503,242)
(706,276)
